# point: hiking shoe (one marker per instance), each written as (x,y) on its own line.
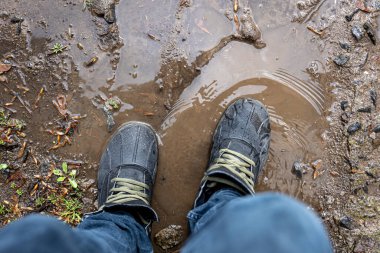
(240,149)
(127,171)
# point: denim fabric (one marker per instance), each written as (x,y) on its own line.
(98,233)
(263,223)
(225,223)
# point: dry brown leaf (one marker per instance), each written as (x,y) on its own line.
(4,67)
(21,151)
(237,23)
(200,25)
(3,79)
(236,5)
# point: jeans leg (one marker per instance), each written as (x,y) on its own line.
(99,232)
(262,223)
(202,214)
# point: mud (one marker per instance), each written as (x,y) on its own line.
(177,65)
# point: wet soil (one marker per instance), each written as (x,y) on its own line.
(177,65)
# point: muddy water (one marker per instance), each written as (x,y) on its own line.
(294,107)
(276,75)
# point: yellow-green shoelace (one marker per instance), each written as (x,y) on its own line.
(126,190)
(236,163)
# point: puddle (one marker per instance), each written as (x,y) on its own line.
(276,75)
(294,106)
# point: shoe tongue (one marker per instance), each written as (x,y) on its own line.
(131,172)
(241,147)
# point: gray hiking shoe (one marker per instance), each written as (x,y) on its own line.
(127,171)
(240,149)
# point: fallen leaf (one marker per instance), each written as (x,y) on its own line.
(236,5)
(355,171)
(200,25)
(21,151)
(317,164)
(3,79)
(4,68)
(237,23)
(334,173)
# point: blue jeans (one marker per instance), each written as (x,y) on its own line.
(227,222)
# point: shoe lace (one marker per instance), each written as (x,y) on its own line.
(126,190)
(237,164)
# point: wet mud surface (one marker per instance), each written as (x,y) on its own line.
(177,65)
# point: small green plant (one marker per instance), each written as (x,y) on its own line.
(19,192)
(3,166)
(113,103)
(13,185)
(64,175)
(53,198)
(3,209)
(57,48)
(72,210)
(87,4)
(39,201)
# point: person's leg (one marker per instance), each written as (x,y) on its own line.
(263,223)
(224,221)
(202,214)
(125,181)
(102,232)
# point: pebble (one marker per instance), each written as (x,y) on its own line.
(367,109)
(346,222)
(376,129)
(344,105)
(370,32)
(169,237)
(299,169)
(160,83)
(85,184)
(341,59)
(354,128)
(344,117)
(373,96)
(344,45)
(4,14)
(357,32)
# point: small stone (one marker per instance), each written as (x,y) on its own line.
(344,45)
(169,237)
(299,169)
(344,117)
(344,105)
(367,109)
(85,184)
(4,14)
(341,60)
(301,5)
(376,129)
(370,32)
(357,32)
(110,15)
(346,222)
(354,128)
(87,202)
(373,96)
(160,83)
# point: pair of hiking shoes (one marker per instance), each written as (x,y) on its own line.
(129,162)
